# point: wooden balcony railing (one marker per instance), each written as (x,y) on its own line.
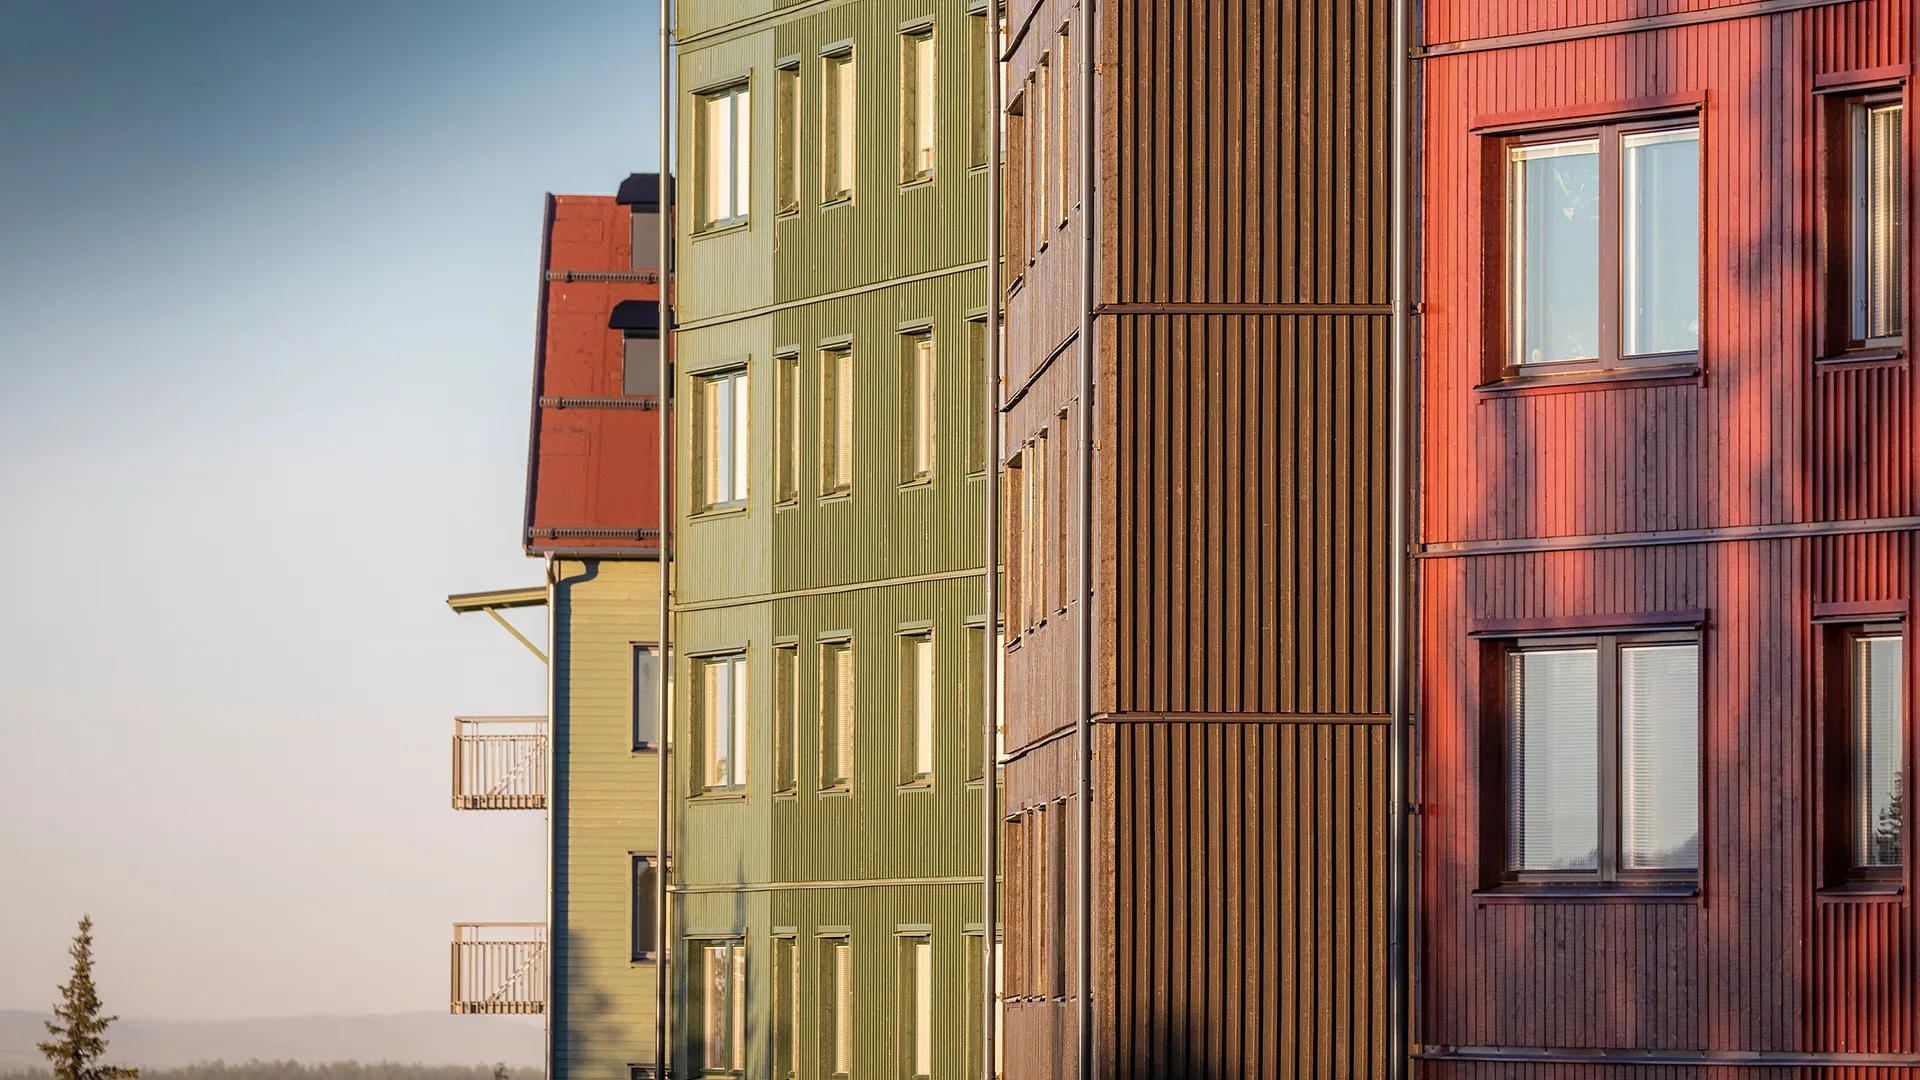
(500,763)
(499,968)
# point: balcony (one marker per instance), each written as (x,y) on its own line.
(499,969)
(500,763)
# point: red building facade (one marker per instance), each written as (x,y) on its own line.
(593,481)
(1667,540)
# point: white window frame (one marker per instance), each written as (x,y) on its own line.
(727,728)
(724,119)
(726,437)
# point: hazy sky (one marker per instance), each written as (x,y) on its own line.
(267,284)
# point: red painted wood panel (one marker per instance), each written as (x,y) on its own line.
(594,467)
(1757,961)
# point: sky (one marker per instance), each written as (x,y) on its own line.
(267,286)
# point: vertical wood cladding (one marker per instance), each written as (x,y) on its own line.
(1760,960)
(1240,545)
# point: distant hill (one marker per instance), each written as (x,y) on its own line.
(424,1037)
(294,1070)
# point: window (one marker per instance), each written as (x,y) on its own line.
(1603,249)
(1042,154)
(786,728)
(640,366)
(976,976)
(916,406)
(788,438)
(723,1041)
(723,440)
(1063,125)
(916,105)
(725,136)
(786,135)
(976,411)
(836,1008)
(980,91)
(645,893)
(1879,197)
(786,1007)
(1062,472)
(837,131)
(915,999)
(1033,528)
(1014,188)
(916,707)
(1603,759)
(723,727)
(643,236)
(1864,761)
(646,701)
(836,715)
(836,421)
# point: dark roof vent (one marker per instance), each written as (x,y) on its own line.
(636,317)
(641,191)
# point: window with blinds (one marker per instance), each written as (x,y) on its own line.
(836,1009)
(1879,222)
(1603,759)
(786,138)
(838,110)
(836,715)
(836,421)
(724,438)
(723,1012)
(916,407)
(786,723)
(787,418)
(917,708)
(1879,750)
(723,132)
(723,722)
(915,1001)
(916,105)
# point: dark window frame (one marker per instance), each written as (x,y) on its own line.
(636,953)
(1837,804)
(1840,226)
(1607,873)
(1500,364)
(649,711)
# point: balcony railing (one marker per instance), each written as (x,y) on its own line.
(500,763)
(499,968)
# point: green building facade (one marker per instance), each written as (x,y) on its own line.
(827,583)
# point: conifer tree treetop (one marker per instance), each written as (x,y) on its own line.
(79,1031)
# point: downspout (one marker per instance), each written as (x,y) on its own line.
(990,678)
(553,794)
(1083,572)
(1399,486)
(663,921)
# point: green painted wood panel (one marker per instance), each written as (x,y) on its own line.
(605,804)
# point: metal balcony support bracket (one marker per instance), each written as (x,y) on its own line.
(493,602)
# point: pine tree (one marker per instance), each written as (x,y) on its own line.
(79,1035)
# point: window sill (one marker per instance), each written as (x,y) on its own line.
(785,504)
(786,794)
(1679,892)
(917,182)
(648,960)
(1598,379)
(977,170)
(786,212)
(1862,892)
(647,748)
(835,204)
(914,785)
(1852,359)
(712,512)
(916,482)
(722,228)
(718,796)
(835,792)
(837,497)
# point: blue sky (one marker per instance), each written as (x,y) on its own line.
(267,280)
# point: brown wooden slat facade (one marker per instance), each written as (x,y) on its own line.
(1241,565)
(1759,960)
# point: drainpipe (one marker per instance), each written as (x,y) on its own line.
(663,922)
(553,794)
(1400,486)
(990,679)
(1083,573)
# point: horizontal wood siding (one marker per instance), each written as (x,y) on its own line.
(605,803)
